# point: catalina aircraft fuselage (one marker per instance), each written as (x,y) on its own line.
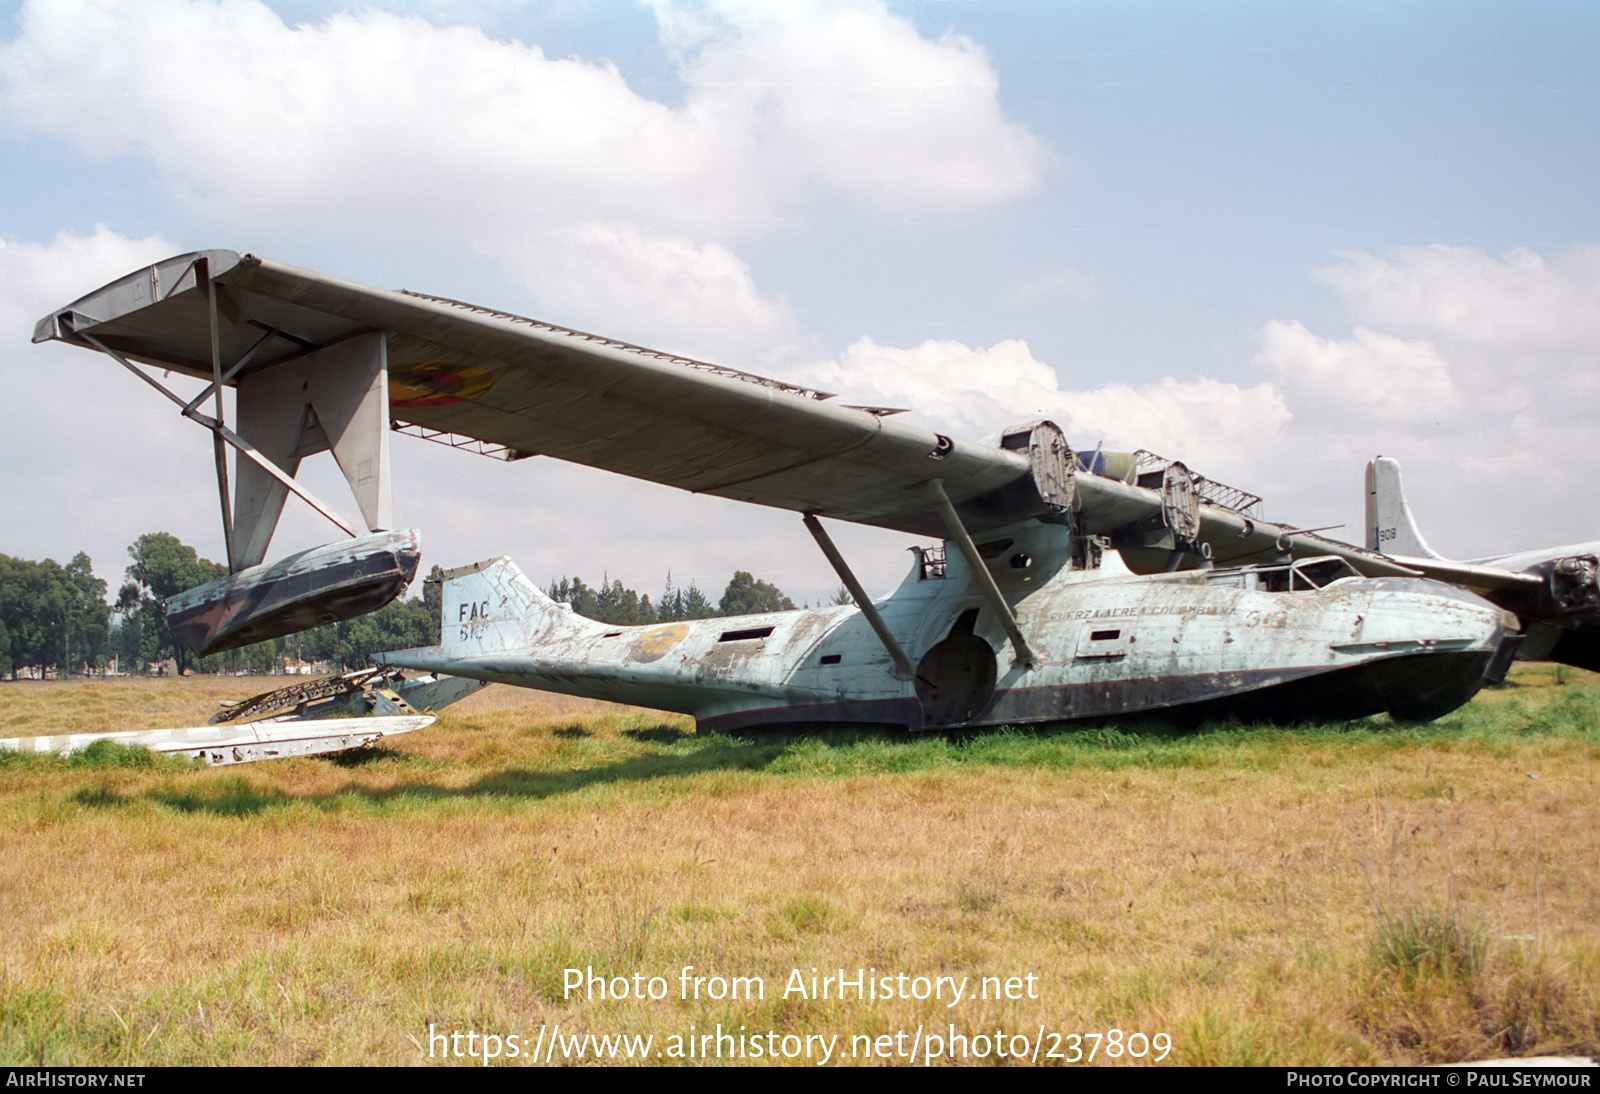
(1289,641)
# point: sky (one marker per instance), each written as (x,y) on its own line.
(1271,240)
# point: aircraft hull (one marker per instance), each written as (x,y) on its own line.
(1445,681)
(1186,647)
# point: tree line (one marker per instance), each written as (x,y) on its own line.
(612,602)
(59,619)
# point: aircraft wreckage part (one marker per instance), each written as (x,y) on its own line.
(332,399)
(325,584)
(308,698)
(365,691)
(1554,591)
(1053,463)
(241,743)
(1180,505)
(955,679)
(223,435)
(434,693)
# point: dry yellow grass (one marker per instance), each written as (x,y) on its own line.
(1249,893)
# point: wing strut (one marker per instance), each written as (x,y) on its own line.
(219,447)
(902,664)
(986,581)
(980,572)
(226,434)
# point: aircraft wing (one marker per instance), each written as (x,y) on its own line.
(536,389)
(1478,578)
(463,373)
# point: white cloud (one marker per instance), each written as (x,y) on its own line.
(844,94)
(967,392)
(1477,372)
(93,458)
(391,126)
(1369,377)
(1520,301)
(420,124)
(653,289)
(1484,385)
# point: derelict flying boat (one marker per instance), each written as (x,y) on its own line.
(1006,622)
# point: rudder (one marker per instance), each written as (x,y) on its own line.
(1390,527)
(491,606)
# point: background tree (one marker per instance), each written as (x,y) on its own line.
(433,597)
(398,625)
(87,622)
(677,603)
(747,596)
(164,566)
(30,606)
(612,602)
(352,643)
(695,604)
(51,616)
(619,604)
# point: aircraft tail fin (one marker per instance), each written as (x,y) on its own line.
(491,606)
(1390,527)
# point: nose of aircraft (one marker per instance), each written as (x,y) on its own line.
(1461,642)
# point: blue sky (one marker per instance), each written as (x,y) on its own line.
(1270,239)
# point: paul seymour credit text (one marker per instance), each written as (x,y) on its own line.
(927,1042)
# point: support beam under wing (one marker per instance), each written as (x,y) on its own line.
(335,397)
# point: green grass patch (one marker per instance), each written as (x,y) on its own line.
(99,756)
(1428,944)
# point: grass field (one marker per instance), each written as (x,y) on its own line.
(1345,894)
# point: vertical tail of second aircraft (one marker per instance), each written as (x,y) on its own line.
(491,607)
(1390,527)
